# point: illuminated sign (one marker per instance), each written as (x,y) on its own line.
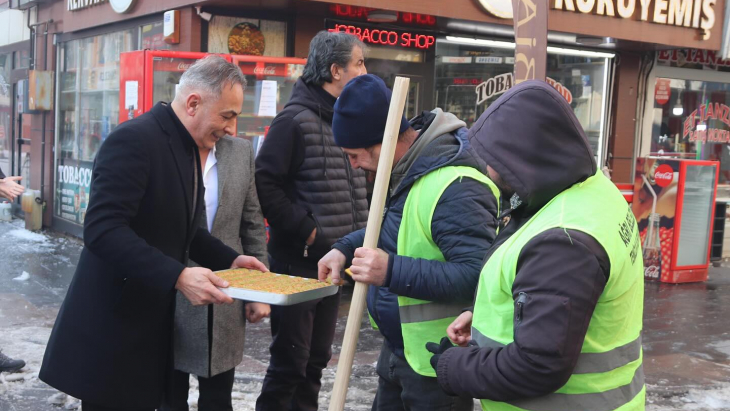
(387,37)
(120,6)
(461,81)
(692,58)
(698,14)
(696,124)
(361,13)
(73,5)
(498,8)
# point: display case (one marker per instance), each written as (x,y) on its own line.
(674,205)
(149,76)
(270,82)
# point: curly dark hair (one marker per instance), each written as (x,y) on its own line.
(329,48)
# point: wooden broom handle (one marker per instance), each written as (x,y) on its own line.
(372,232)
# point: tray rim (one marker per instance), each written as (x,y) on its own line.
(246,294)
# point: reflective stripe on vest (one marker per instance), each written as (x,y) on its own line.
(428,311)
(423,321)
(598,401)
(588,362)
(608,374)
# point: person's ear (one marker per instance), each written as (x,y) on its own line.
(192,103)
(336,72)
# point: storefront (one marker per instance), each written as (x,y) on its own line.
(687,116)
(687,108)
(458,58)
(399,44)
(87,108)
(14,61)
(88,81)
(472,73)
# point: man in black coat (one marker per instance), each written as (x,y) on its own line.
(111,343)
(311,197)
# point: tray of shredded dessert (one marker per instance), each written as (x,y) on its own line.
(271,288)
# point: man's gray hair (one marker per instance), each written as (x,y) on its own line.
(209,75)
(325,49)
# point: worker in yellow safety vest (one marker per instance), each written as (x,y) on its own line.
(557,317)
(439,221)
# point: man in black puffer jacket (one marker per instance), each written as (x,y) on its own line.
(440,220)
(311,197)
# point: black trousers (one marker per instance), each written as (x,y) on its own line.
(85,406)
(402,389)
(215,392)
(301,348)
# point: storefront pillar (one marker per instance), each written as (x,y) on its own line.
(623,124)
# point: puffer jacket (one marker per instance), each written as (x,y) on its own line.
(463,226)
(304,181)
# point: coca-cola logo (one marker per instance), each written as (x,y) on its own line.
(651,272)
(267,71)
(663,175)
(183,66)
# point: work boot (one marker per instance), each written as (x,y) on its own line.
(8,364)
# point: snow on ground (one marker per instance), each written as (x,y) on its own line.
(23,234)
(721,346)
(22,277)
(695,398)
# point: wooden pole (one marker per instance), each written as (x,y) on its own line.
(530,22)
(372,232)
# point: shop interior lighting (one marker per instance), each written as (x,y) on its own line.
(510,45)
(701,127)
(480,42)
(678,109)
(589,40)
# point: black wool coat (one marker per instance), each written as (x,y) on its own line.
(111,343)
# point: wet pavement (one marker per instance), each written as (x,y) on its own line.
(686,335)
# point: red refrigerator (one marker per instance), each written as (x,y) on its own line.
(269,85)
(674,205)
(149,76)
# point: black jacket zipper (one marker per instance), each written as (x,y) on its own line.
(519,305)
(348,169)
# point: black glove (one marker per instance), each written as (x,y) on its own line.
(438,349)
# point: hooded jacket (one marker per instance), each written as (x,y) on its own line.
(304,181)
(463,226)
(531,137)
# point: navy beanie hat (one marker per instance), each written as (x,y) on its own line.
(361,112)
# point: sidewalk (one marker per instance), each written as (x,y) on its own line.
(686,335)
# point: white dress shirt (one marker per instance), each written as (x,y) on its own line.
(210,180)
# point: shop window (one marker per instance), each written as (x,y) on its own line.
(6,112)
(21,59)
(237,35)
(470,77)
(691,119)
(88,110)
(396,54)
(151,37)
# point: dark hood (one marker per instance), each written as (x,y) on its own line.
(311,96)
(531,137)
(443,142)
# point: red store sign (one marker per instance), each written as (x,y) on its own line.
(361,13)
(387,37)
